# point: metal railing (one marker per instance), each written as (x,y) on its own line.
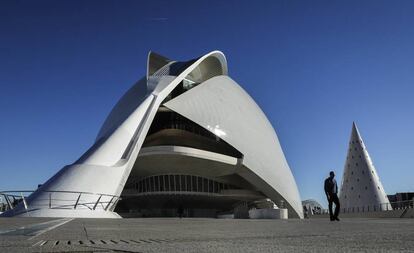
(57,200)
(380,207)
(10,199)
(398,205)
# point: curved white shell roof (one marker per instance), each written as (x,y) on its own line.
(221,106)
(218,104)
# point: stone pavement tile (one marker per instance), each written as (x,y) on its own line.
(214,235)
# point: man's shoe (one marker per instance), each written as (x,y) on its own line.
(332,218)
(337,219)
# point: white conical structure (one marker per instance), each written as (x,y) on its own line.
(361,188)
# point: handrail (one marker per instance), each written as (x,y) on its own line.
(9,204)
(380,207)
(92,193)
(397,205)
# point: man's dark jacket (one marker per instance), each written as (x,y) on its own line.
(330,186)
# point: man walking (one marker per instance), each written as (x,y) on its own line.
(331,191)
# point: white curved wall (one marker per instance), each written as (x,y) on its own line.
(124,107)
(221,106)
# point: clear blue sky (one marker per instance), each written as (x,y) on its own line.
(312,66)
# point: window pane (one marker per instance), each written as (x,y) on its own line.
(199,184)
(177,183)
(162,187)
(156,183)
(205,185)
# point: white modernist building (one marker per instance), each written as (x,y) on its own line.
(185,137)
(361,188)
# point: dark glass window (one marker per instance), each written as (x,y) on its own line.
(205,185)
(200,184)
(177,182)
(162,186)
(156,184)
(168,120)
(194,183)
(172,183)
(210,186)
(182,183)
(188,183)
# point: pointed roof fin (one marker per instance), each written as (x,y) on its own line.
(155,62)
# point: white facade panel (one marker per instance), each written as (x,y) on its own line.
(221,106)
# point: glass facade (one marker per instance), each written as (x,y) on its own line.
(180,183)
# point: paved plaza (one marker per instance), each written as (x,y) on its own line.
(205,235)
